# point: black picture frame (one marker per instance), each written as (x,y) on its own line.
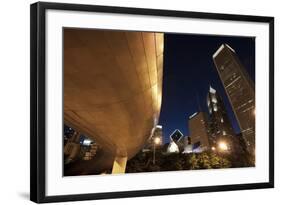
(38,103)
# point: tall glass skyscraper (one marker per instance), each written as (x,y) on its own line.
(219,123)
(240,90)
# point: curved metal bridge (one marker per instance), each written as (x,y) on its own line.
(113,89)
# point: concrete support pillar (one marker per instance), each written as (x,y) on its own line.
(75,137)
(119,165)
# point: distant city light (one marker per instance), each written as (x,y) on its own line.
(213,148)
(87,142)
(223,146)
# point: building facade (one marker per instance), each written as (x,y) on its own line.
(219,124)
(198,130)
(240,90)
(177,142)
(173,147)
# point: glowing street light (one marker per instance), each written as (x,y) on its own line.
(223,146)
(213,148)
(156,141)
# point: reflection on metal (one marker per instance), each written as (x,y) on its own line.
(113,86)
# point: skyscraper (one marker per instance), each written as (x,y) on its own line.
(240,90)
(176,136)
(198,129)
(177,141)
(219,123)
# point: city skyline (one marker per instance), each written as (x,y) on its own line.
(188,80)
(189,71)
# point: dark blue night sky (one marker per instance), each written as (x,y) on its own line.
(189,71)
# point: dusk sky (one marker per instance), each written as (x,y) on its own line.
(189,71)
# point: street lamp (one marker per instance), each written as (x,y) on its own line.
(223,146)
(156,141)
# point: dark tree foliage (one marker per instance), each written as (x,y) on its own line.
(143,162)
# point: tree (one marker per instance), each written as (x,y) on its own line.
(215,161)
(194,162)
(143,162)
(204,161)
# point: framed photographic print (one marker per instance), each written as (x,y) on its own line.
(129,102)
